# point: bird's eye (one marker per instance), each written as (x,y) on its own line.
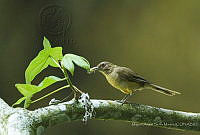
(103,65)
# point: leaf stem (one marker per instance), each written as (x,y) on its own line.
(69,82)
(67,86)
(56,62)
(78,89)
(74,89)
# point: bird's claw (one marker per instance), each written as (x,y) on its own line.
(121,101)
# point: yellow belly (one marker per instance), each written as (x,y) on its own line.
(120,85)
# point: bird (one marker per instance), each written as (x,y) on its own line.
(128,81)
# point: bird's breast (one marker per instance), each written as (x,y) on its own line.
(125,86)
(114,80)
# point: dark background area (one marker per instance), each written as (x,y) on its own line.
(158,39)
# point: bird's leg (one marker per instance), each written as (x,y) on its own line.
(125,98)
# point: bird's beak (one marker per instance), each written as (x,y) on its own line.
(93,69)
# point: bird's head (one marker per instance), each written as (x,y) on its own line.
(104,67)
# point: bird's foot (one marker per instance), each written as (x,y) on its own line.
(121,101)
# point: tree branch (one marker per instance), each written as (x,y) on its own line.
(20,121)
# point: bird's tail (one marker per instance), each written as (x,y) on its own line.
(163,90)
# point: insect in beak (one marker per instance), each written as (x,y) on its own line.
(92,70)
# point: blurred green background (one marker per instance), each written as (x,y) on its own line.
(158,39)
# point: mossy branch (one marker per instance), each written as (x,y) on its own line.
(21,121)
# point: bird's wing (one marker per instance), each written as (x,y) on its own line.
(131,76)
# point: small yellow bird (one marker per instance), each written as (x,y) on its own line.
(127,81)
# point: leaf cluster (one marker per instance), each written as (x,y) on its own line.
(49,56)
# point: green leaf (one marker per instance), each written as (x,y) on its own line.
(42,61)
(46,43)
(38,64)
(19,101)
(68,60)
(29,90)
(56,54)
(80,61)
(48,81)
(68,64)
